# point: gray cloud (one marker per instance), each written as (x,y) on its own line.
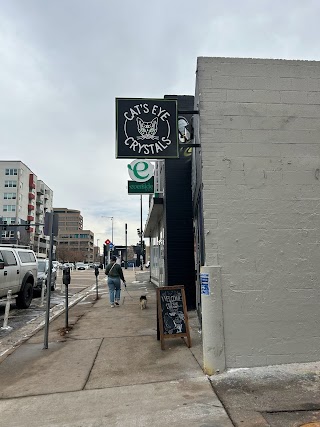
(64,62)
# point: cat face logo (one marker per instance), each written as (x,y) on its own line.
(147,128)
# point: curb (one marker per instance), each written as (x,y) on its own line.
(11,343)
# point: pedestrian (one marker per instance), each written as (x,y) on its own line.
(114,273)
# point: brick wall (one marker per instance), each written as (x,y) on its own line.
(260,140)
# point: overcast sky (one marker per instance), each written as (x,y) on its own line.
(63,63)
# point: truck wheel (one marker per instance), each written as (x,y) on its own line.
(25,296)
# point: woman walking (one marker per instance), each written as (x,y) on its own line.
(114,273)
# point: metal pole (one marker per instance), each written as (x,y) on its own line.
(112,229)
(7,310)
(46,330)
(67,311)
(126,238)
(97,293)
(141,247)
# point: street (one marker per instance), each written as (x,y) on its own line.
(80,281)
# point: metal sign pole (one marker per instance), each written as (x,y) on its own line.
(46,330)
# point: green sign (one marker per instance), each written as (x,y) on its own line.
(146,187)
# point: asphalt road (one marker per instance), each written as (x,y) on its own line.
(80,280)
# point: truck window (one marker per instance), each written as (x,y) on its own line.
(26,257)
(9,258)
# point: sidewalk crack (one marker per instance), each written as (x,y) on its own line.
(94,361)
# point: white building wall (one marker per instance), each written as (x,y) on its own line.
(260,145)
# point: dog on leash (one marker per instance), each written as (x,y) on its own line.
(143,302)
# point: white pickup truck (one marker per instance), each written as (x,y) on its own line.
(18,272)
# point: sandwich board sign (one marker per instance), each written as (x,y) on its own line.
(146,128)
(172,313)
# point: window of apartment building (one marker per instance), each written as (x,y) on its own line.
(9,208)
(7,234)
(84,236)
(10,196)
(9,220)
(10,183)
(11,172)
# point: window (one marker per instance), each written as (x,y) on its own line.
(11,172)
(26,257)
(10,183)
(9,258)
(9,220)
(9,208)
(9,196)
(7,234)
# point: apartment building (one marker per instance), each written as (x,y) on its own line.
(72,240)
(23,205)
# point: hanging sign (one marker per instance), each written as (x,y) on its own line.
(146,128)
(141,170)
(146,187)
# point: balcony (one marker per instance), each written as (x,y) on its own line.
(31,230)
(30,218)
(40,190)
(39,202)
(31,196)
(30,207)
(32,183)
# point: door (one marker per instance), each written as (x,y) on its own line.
(11,271)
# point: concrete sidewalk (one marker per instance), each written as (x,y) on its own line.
(109,370)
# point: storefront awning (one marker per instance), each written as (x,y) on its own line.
(155,215)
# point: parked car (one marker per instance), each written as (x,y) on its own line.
(68,265)
(81,266)
(18,272)
(56,264)
(43,269)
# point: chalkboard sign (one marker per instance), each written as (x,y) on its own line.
(172,313)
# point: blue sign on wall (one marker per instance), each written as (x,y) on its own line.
(205,283)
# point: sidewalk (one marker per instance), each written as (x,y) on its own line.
(109,370)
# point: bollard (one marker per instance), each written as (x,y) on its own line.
(43,287)
(7,310)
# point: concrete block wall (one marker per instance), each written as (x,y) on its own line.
(259,131)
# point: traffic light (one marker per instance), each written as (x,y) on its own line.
(27,227)
(4,227)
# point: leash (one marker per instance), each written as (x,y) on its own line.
(128,291)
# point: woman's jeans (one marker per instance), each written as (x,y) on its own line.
(114,289)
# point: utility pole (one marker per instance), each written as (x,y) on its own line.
(126,239)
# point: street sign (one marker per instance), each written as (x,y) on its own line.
(111,245)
